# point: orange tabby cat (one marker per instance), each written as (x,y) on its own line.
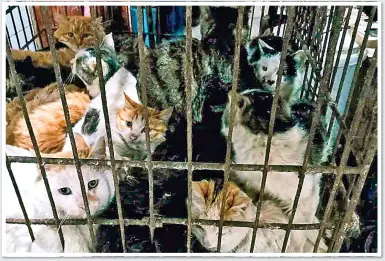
(48,123)
(76,32)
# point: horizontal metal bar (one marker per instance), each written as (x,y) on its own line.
(195,165)
(160,221)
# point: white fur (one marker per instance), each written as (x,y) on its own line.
(35,199)
(287,148)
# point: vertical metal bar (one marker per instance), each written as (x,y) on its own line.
(17,191)
(286,39)
(344,158)
(14,27)
(102,87)
(22,25)
(189,79)
(51,41)
(238,41)
(251,22)
(8,38)
(317,114)
(143,84)
(33,139)
(260,22)
(30,25)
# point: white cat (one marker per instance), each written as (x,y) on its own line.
(66,192)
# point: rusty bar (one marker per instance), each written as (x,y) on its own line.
(38,158)
(289,29)
(345,69)
(17,191)
(317,114)
(51,41)
(234,87)
(358,66)
(183,165)
(349,139)
(251,22)
(102,87)
(260,22)
(143,84)
(356,193)
(188,79)
(160,221)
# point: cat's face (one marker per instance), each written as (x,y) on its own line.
(131,125)
(207,200)
(253,109)
(77,32)
(65,186)
(84,63)
(265,61)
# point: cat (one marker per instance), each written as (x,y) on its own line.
(207,196)
(126,119)
(288,145)
(264,54)
(35,68)
(46,114)
(84,66)
(65,188)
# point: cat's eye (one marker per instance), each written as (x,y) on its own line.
(129,124)
(143,130)
(264,68)
(85,35)
(71,34)
(65,191)
(93,184)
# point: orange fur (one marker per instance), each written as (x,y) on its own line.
(76,32)
(132,110)
(48,123)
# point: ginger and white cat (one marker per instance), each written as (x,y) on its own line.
(66,192)
(207,199)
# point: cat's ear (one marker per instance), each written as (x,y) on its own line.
(166,114)
(98,151)
(236,200)
(99,20)
(130,103)
(263,45)
(267,32)
(59,18)
(108,42)
(200,190)
(300,58)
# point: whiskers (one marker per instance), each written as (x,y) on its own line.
(62,221)
(70,78)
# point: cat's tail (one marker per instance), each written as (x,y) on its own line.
(49,123)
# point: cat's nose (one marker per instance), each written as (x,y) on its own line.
(271,82)
(133,137)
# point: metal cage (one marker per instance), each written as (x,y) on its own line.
(316,30)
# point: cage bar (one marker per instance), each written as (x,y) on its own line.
(289,29)
(51,41)
(108,132)
(189,79)
(143,83)
(37,159)
(234,86)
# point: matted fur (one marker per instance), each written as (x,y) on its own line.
(47,119)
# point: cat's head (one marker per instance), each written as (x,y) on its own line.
(65,186)
(207,199)
(84,63)
(265,61)
(77,32)
(131,125)
(253,110)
